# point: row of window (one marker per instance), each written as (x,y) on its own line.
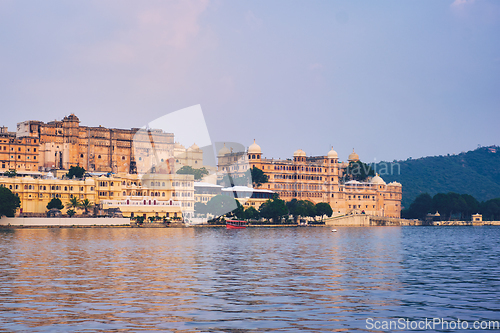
(44,187)
(18,149)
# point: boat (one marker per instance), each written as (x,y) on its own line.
(235,224)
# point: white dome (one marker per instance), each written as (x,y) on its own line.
(224,151)
(299,152)
(254,148)
(332,154)
(377,180)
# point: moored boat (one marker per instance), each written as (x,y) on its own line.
(235,224)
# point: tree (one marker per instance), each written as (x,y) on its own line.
(258,177)
(73,203)
(239,211)
(86,204)
(322,209)
(75,171)
(55,203)
(273,209)
(420,207)
(197,173)
(310,209)
(200,208)
(11,173)
(221,205)
(9,202)
(251,213)
(70,212)
(358,171)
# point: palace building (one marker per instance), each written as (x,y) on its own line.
(62,144)
(318,179)
(169,195)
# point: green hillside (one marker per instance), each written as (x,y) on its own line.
(475,172)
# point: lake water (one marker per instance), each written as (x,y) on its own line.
(257,279)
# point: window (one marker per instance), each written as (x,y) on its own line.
(34,149)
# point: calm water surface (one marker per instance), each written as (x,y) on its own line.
(258,279)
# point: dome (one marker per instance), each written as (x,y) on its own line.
(254,148)
(377,180)
(299,152)
(194,147)
(224,151)
(332,154)
(353,157)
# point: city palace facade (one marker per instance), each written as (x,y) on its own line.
(317,179)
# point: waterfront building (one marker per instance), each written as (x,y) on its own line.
(316,178)
(247,196)
(169,195)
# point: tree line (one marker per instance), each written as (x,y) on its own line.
(452,205)
(274,209)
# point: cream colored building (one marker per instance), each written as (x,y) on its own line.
(318,179)
(152,195)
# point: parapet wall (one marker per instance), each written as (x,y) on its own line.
(362,220)
(61,221)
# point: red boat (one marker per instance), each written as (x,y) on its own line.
(234,224)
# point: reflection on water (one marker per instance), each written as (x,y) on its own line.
(258,279)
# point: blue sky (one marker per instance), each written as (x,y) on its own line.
(392,79)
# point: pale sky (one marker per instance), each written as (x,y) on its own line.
(392,79)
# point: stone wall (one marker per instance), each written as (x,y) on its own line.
(61,221)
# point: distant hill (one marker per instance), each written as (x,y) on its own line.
(475,172)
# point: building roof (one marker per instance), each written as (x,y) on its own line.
(254,148)
(332,154)
(224,150)
(377,180)
(299,152)
(204,184)
(353,156)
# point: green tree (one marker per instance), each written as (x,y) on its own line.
(273,209)
(310,209)
(358,171)
(491,210)
(9,202)
(11,173)
(197,173)
(295,208)
(200,208)
(55,203)
(323,208)
(258,177)
(86,205)
(239,211)
(221,205)
(70,212)
(74,203)
(251,213)
(75,171)
(420,207)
